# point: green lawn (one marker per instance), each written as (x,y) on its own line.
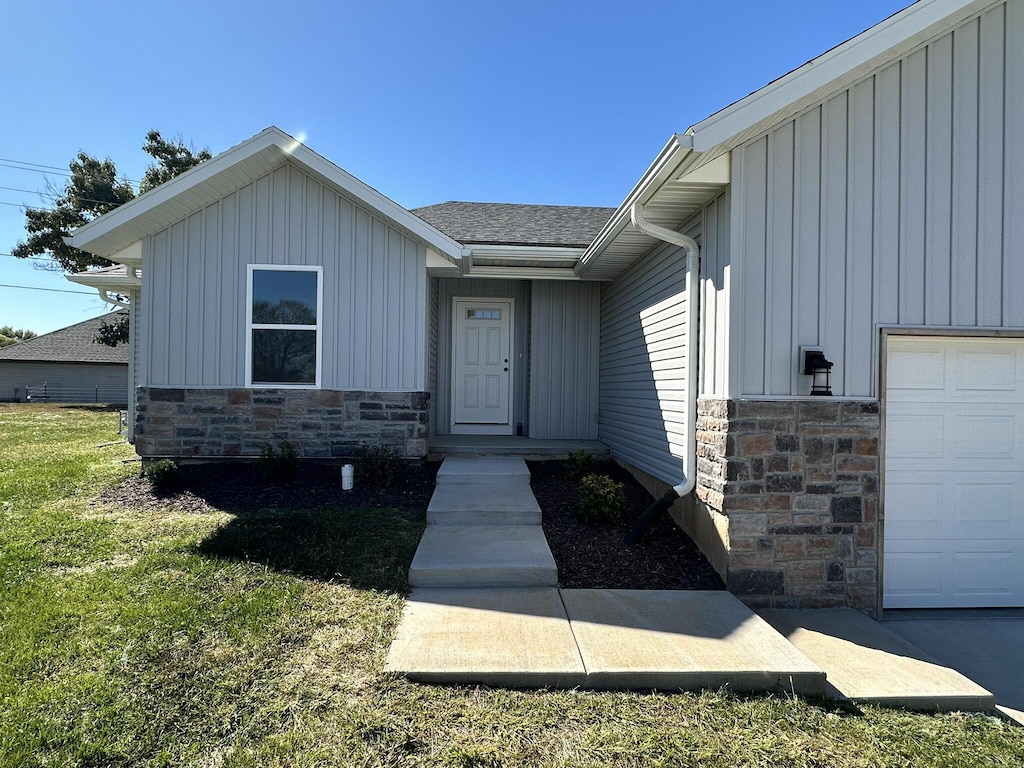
(137,637)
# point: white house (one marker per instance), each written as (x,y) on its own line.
(866,209)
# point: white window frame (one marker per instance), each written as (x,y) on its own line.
(250,326)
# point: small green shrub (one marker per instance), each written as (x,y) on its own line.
(378,465)
(579,464)
(162,475)
(279,465)
(601,499)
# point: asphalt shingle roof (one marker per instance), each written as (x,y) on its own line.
(73,344)
(515,224)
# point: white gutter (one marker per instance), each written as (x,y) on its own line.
(636,214)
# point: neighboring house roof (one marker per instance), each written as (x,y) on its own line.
(515,224)
(73,344)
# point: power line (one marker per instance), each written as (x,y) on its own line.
(26,162)
(51,290)
(27,258)
(34,170)
(53,171)
(30,191)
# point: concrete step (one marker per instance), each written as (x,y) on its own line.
(461,470)
(868,664)
(596,639)
(461,556)
(499,503)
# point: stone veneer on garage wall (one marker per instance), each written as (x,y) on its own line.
(185,423)
(797,482)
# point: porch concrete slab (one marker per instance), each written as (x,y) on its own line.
(867,663)
(515,638)
(470,446)
(483,556)
(461,470)
(672,640)
(498,503)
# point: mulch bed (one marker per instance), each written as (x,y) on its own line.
(588,555)
(240,487)
(595,555)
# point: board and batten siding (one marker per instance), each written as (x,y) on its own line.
(65,382)
(897,202)
(643,376)
(375,288)
(448,289)
(565,322)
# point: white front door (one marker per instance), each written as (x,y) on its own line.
(954,472)
(482,362)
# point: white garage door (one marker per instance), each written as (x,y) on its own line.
(954,472)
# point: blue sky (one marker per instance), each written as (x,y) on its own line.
(527,102)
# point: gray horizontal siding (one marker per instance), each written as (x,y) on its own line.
(449,288)
(897,202)
(66,382)
(194,292)
(565,323)
(643,376)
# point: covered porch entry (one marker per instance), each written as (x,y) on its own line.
(513,366)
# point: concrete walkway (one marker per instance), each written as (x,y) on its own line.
(485,609)
(866,663)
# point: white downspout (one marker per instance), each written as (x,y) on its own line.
(693,289)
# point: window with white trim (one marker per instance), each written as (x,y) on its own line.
(285,316)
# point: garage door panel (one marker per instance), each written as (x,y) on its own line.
(984,367)
(954,473)
(986,437)
(920,368)
(918,502)
(917,435)
(913,578)
(983,573)
(939,575)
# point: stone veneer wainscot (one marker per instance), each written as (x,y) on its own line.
(188,422)
(797,483)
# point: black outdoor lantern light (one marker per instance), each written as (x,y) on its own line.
(820,369)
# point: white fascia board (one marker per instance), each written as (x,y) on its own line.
(289,147)
(524,273)
(920,20)
(106,282)
(535,253)
(95,229)
(665,165)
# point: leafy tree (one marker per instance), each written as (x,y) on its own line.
(9,335)
(95,189)
(113,333)
(172,159)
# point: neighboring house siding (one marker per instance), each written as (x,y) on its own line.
(897,202)
(374,287)
(66,382)
(450,287)
(565,326)
(643,376)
